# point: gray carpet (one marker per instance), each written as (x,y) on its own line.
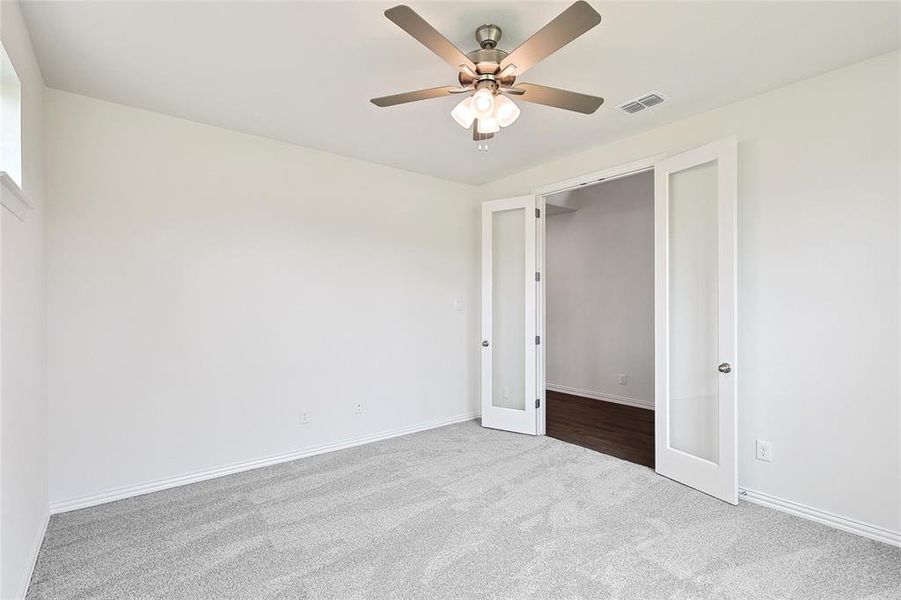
(457,512)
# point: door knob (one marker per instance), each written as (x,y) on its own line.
(485,343)
(724,368)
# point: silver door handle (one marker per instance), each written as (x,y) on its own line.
(724,368)
(485,343)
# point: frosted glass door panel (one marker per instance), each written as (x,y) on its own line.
(693,319)
(508,309)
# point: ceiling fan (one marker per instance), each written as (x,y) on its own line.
(488,75)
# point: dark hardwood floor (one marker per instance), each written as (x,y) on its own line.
(622,431)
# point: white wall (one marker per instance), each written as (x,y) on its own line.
(818,279)
(599,275)
(23,396)
(205,286)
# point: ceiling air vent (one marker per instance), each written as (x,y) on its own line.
(647,101)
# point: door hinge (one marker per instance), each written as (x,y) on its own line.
(537,276)
(537,402)
(537,213)
(537,339)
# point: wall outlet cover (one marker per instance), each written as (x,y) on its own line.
(764,450)
(304,416)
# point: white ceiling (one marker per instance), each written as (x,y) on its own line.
(303,72)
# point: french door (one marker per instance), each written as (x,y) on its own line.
(695,317)
(509,315)
(695,325)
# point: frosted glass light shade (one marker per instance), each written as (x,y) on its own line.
(505,111)
(483,103)
(488,126)
(463,113)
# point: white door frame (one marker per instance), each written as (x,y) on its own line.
(623,170)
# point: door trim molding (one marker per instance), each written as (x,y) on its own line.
(615,172)
(823,517)
(610,173)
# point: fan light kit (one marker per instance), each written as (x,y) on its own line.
(488,75)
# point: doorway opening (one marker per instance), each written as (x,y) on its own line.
(695,195)
(599,319)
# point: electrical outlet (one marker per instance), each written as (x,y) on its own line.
(622,379)
(764,450)
(304,417)
(358,408)
(458,304)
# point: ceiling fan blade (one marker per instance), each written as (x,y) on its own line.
(570,24)
(435,92)
(558,98)
(407,19)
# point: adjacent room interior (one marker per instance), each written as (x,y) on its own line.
(599,286)
(450,300)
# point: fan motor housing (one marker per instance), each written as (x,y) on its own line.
(488,62)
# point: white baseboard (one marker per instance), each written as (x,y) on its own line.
(112,495)
(564,389)
(820,516)
(33,557)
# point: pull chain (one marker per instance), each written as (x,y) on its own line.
(482,139)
